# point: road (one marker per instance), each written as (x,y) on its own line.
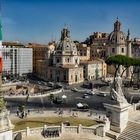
(73,98)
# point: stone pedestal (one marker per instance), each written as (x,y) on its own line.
(118,115)
(5,126)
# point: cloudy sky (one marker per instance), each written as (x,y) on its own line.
(41,21)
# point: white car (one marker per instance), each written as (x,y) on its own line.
(74,89)
(50,84)
(85,96)
(103,94)
(90,92)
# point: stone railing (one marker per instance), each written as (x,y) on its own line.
(95,130)
(134,107)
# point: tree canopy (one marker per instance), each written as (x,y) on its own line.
(118,60)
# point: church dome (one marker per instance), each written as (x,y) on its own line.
(65,43)
(117,36)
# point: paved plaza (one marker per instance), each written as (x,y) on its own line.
(93,114)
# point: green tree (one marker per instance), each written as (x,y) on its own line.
(51,97)
(121,60)
(76,41)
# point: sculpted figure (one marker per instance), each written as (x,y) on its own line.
(116,90)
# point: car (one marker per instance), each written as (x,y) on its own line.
(90,92)
(74,89)
(58,100)
(50,84)
(85,96)
(82,106)
(39,83)
(102,94)
(59,85)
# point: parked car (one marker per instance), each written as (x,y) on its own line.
(85,96)
(82,106)
(50,84)
(102,94)
(58,100)
(74,89)
(90,92)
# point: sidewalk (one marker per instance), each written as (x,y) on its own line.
(62,113)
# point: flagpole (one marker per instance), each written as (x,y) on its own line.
(0,48)
(2,102)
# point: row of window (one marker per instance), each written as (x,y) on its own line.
(113,50)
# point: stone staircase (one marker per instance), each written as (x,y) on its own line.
(112,134)
(131,132)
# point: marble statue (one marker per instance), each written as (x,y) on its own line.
(116,90)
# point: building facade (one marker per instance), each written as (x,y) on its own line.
(136,54)
(40,52)
(17,61)
(66,60)
(42,63)
(97,43)
(84,52)
(94,69)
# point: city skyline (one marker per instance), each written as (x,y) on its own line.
(41,21)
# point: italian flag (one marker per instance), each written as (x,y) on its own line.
(0,48)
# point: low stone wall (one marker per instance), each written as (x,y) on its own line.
(38,95)
(134,107)
(137,106)
(98,130)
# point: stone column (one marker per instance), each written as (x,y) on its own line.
(129,53)
(27,131)
(62,128)
(44,128)
(79,128)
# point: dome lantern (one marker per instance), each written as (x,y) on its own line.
(117,25)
